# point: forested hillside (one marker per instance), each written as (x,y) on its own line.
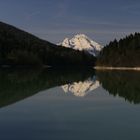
(21,48)
(122,53)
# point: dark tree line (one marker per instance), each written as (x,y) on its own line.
(125,52)
(21,48)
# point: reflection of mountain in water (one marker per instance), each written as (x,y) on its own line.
(81,89)
(15,85)
(125,84)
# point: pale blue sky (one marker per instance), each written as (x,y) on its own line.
(53,20)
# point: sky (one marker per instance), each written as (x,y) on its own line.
(54,20)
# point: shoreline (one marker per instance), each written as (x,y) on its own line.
(116,68)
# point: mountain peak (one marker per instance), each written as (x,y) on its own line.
(82,42)
(80,35)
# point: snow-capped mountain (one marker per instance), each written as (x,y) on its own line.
(82,42)
(81,89)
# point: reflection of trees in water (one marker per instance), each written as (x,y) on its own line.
(125,84)
(16,85)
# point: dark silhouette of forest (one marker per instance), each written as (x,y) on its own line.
(21,48)
(122,53)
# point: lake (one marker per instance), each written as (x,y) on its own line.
(69,105)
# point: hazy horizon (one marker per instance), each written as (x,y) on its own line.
(54,20)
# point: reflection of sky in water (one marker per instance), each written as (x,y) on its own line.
(53,114)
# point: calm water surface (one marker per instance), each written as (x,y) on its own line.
(69,105)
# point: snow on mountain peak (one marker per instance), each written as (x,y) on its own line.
(82,42)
